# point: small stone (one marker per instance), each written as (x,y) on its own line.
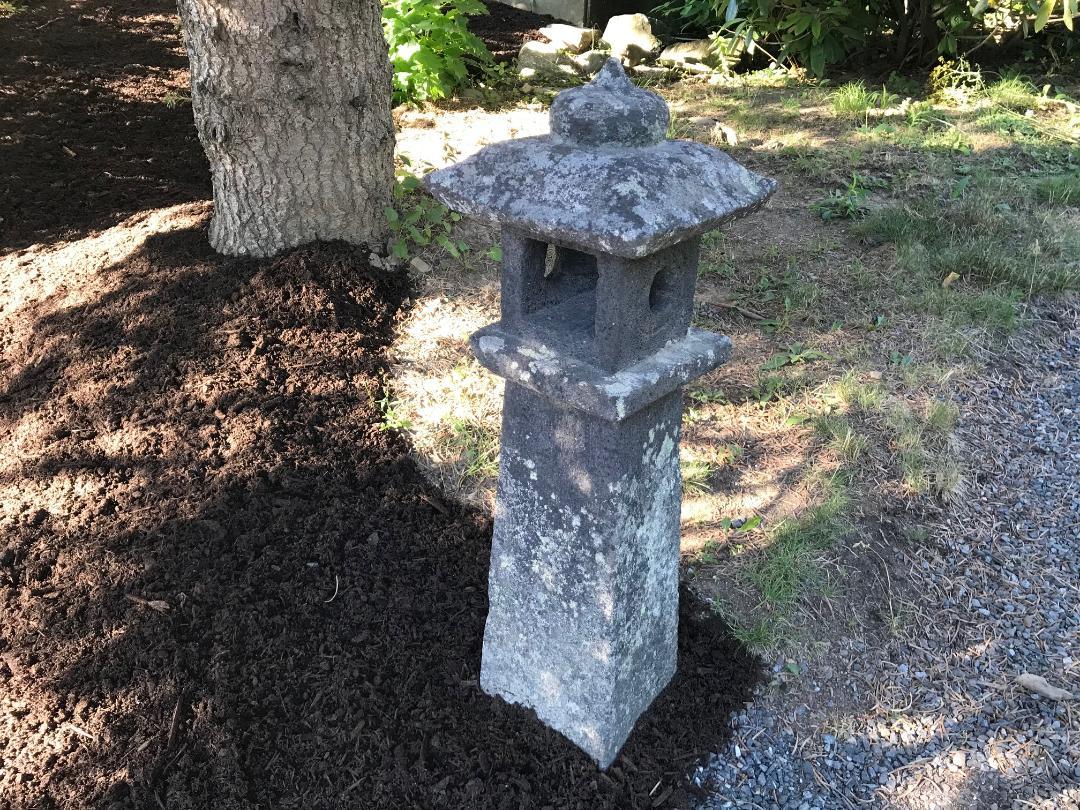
(695,52)
(570,37)
(419,265)
(1040,686)
(590,62)
(631,38)
(544,58)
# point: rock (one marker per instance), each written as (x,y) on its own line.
(419,265)
(630,37)
(570,38)
(655,71)
(544,58)
(590,62)
(720,132)
(698,51)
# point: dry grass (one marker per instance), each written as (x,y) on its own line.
(855,417)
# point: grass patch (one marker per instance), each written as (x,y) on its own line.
(941,417)
(9,8)
(855,393)
(1058,190)
(697,476)
(842,438)
(988,235)
(846,203)
(758,637)
(853,101)
(1013,93)
(920,446)
(793,559)
(478,447)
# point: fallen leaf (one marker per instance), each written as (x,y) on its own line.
(1038,684)
(950,279)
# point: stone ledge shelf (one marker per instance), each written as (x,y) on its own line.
(612,397)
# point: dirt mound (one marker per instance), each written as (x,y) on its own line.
(224,585)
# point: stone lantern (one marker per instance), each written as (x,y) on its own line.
(595,345)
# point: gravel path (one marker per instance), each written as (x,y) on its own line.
(935,718)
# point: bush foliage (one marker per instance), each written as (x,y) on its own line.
(431,49)
(817,33)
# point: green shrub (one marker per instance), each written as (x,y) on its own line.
(431,49)
(817,33)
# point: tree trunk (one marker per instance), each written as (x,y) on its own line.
(292,105)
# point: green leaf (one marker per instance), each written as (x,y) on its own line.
(1067,11)
(391,215)
(751,524)
(1044,14)
(448,246)
(817,60)
(400,249)
(776,361)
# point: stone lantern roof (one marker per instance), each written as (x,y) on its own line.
(606,180)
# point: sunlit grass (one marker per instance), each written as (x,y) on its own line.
(793,559)
(477,444)
(853,101)
(697,475)
(854,392)
(842,437)
(1013,93)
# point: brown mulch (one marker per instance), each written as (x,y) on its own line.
(222,583)
(86,135)
(504,29)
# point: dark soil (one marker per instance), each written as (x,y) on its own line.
(222,584)
(504,29)
(93,121)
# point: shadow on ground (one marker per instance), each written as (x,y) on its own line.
(224,585)
(94,122)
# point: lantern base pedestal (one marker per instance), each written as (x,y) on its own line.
(584,581)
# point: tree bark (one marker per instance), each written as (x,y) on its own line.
(292,104)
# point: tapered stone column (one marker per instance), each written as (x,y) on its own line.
(595,345)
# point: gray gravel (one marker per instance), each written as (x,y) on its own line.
(935,719)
